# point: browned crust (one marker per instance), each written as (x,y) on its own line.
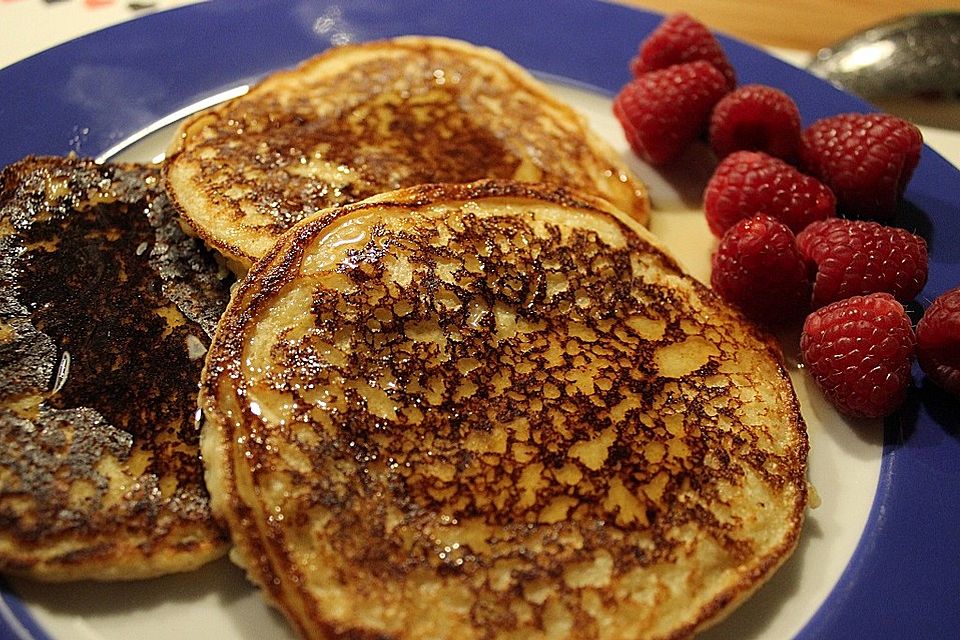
(99,473)
(263,545)
(480,152)
(266,278)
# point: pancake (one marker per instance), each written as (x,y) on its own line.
(496,410)
(361,119)
(106,311)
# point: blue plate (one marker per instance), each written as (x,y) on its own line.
(90,94)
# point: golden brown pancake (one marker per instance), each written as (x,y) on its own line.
(361,119)
(496,410)
(106,311)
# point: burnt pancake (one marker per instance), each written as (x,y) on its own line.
(365,118)
(496,410)
(106,312)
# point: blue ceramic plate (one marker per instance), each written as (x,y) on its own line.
(891,572)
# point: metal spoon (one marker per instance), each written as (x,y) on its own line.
(911,59)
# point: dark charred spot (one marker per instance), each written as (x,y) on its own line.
(106,309)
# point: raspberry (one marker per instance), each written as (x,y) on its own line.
(750,182)
(857,257)
(758,118)
(663,111)
(758,268)
(866,159)
(678,39)
(938,341)
(859,351)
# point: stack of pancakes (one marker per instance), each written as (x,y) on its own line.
(459,390)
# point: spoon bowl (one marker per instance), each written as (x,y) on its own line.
(908,65)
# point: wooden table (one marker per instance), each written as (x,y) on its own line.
(806,25)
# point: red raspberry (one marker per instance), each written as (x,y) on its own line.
(938,341)
(663,111)
(859,351)
(678,39)
(866,159)
(758,268)
(750,182)
(857,257)
(758,118)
